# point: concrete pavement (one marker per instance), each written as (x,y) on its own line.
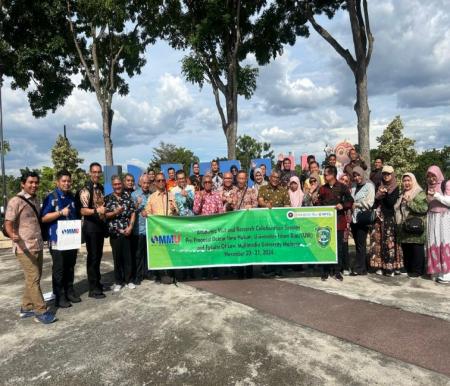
(168,335)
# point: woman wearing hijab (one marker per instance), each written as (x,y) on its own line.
(363,193)
(295,192)
(258,179)
(345,179)
(312,191)
(411,203)
(385,252)
(438,230)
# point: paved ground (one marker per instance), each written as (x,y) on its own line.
(171,335)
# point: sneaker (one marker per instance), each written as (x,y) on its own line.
(389,274)
(442,281)
(379,272)
(324,277)
(131,286)
(46,318)
(338,276)
(117,287)
(26,313)
(346,272)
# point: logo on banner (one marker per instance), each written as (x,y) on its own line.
(165,239)
(323,236)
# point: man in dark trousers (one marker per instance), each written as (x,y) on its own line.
(60,205)
(94,228)
(335,193)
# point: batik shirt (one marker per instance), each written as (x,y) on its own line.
(119,223)
(184,204)
(227,193)
(277,196)
(208,203)
(244,198)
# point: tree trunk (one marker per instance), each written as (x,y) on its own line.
(107,117)
(362,113)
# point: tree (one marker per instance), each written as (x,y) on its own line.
(6,147)
(397,150)
(64,156)
(248,148)
(438,157)
(35,51)
(292,15)
(168,153)
(218,35)
(109,42)
(47,182)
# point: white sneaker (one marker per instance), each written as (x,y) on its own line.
(379,272)
(346,272)
(117,287)
(131,286)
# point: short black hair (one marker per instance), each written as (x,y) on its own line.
(29,173)
(331,170)
(94,164)
(286,159)
(195,163)
(242,172)
(380,158)
(171,168)
(181,171)
(128,175)
(62,173)
(314,162)
(332,155)
(310,157)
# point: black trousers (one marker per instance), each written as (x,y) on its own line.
(332,269)
(63,271)
(245,272)
(139,265)
(122,258)
(94,247)
(359,264)
(414,257)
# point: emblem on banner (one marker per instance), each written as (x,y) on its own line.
(323,236)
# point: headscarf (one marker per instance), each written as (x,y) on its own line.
(434,205)
(435,170)
(263,182)
(392,184)
(297,196)
(415,188)
(359,170)
(317,177)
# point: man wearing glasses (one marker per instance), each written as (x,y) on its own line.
(207,202)
(94,227)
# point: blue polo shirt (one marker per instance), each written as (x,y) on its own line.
(56,203)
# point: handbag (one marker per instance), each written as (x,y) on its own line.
(366,217)
(413,226)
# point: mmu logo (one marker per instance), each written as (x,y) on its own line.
(70,231)
(166,239)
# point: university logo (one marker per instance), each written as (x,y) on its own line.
(70,231)
(165,239)
(323,236)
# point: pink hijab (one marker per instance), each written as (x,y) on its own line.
(434,205)
(297,196)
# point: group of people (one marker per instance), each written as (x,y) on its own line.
(403,221)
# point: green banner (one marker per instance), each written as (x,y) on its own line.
(246,237)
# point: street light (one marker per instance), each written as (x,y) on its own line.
(2,144)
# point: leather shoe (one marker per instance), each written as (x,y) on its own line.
(62,303)
(71,297)
(97,295)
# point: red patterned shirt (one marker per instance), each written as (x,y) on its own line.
(208,203)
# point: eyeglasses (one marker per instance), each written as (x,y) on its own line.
(207,182)
(160,180)
(227,178)
(312,180)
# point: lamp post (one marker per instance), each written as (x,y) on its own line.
(2,145)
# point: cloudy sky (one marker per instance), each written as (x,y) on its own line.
(304,99)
